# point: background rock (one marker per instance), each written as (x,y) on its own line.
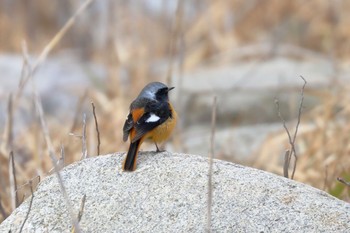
(60,81)
(168,193)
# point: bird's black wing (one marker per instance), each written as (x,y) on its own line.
(129,123)
(156,113)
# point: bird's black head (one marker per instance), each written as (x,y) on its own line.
(157,91)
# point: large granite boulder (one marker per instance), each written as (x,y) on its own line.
(168,193)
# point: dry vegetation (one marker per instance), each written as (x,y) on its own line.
(128,38)
(323,145)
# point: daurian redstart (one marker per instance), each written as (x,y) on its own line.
(152,117)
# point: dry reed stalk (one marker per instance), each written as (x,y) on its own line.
(78,111)
(13,182)
(2,210)
(210,171)
(53,157)
(61,161)
(57,38)
(97,130)
(51,149)
(9,125)
(81,211)
(29,75)
(29,208)
(84,153)
(286,163)
(174,39)
(28,182)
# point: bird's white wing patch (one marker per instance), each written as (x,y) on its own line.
(153,118)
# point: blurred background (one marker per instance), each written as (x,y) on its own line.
(248,53)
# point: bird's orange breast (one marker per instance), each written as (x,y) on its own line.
(163,131)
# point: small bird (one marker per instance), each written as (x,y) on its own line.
(152,117)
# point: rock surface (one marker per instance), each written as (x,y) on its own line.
(168,193)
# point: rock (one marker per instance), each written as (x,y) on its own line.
(232,143)
(168,193)
(60,81)
(244,88)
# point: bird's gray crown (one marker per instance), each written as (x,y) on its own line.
(150,90)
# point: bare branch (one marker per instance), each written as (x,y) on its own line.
(292,151)
(29,208)
(292,140)
(83,139)
(97,130)
(341,180)
(286,163)
(29,182)
(210,175)
(298,123)
(13,181)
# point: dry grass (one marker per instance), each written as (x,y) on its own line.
(323,143)
(129,39)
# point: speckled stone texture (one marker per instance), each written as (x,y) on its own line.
(168,193)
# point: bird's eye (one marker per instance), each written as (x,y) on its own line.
(163,90)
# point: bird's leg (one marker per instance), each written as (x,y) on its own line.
(157,147)
(158,150)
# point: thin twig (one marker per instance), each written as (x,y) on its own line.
(81,211)
(286,129)
(78,111)
(38,104)
(97,130)
(29,182)
(83,139)
(53,159)
(74,220)
(341,180)
(62,158)
(2,210)
(82,206)
(210,175)
(174,37)
(9,124)
(13,182)
(298,123)
(29,208)
(52,155)
(286,163)
(292,140)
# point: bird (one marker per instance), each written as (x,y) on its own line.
(151,116)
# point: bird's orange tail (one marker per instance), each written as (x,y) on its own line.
(131,157)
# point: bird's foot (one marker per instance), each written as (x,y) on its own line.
(158,150)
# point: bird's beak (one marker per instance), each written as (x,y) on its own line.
(170,88)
